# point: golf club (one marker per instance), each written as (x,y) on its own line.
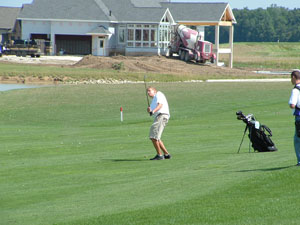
(147,94)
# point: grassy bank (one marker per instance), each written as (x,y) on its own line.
(67,159)
(266,55)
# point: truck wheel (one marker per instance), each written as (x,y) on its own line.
(187,57)
(196,57)
(182,55)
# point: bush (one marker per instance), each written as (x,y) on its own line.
(118,66)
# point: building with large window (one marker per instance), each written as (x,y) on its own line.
(109,27)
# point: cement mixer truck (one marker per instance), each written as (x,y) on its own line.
(188,45)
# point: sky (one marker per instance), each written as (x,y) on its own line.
(239,4)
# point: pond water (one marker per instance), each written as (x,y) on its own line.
(7,87)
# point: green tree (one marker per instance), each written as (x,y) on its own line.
(261,25)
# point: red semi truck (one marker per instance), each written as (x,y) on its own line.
(188,45)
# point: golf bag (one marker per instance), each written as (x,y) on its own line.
(259,135)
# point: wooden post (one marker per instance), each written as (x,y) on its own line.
(217,40)
(231,46)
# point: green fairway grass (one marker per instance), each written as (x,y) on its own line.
(66,158)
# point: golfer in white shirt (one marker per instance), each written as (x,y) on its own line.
(159,108)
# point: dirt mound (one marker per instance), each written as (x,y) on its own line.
(154,64)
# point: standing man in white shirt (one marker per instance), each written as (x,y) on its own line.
(294,103)
(159,108)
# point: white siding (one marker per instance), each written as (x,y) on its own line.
(72,28)
(35,27)
(95,45)
(65,28)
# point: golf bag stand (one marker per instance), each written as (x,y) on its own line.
(246,128)
(259,135)
(242,139)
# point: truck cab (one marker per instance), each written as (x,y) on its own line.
(204,52)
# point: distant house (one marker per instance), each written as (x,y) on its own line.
(109,27)
(9,26)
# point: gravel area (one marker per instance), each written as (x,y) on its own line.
(50,60)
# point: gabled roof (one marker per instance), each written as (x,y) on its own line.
(95,10)
(200,12)
(135,11)
(8,17)
(99,31)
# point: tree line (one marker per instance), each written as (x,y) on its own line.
(261,25)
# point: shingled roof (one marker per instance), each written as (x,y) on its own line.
(147,3)
(63,10)
(150,11)
(99,31)
(207,12)
(132,11)
(8,17)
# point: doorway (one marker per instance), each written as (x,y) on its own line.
(101,46)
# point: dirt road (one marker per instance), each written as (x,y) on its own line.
(47,60)
(156,64)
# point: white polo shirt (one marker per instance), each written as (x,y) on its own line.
(295,97)
(160,98)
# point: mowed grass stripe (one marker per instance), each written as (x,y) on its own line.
(258,200)
(76,163)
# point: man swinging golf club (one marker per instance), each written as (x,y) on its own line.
(158,108)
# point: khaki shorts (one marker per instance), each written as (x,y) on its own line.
(158,126)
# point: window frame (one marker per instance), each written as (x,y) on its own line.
(139,32)
(122,33)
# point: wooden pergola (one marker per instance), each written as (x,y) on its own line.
(226,20)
